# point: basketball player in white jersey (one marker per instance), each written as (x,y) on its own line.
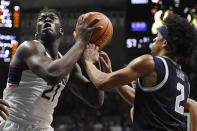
(38,74)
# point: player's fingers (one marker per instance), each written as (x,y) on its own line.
(132,113)
(105,56)
(3,109)
(103,53)
(86,17)
(93,22)
(74,34)
(80,20)
(87,46)
(92,29)
(97,48)
(3,115)
(93,46)
(4,103)
(103,63)
(90,46)
(133,83)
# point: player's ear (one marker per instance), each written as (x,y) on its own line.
(166,45)
(61,31)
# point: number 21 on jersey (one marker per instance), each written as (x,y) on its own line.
(51,93)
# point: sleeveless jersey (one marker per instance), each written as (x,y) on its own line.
(161,107)
(31,99)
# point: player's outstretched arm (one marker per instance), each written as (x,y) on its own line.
(3,111)
(191,105)
(126,92)
(140,66)
(85,89)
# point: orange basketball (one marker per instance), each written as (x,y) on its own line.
(103,36)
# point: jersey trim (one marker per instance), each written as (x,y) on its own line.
(158,86)
(177,65)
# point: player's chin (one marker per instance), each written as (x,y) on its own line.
(48,33)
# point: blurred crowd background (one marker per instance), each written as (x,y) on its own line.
(135,25)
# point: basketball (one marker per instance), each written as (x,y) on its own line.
(101,37)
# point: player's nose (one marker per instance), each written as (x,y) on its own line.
(48,19)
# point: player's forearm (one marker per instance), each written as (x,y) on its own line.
(90,95)
(93,96)
(127,93)
(106,81)
(192,107)
(96,76)
(61,67)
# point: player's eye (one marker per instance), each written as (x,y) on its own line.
(40,18)
(53,17)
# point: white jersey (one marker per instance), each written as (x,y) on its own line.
(31,99)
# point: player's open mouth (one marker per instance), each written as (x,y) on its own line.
(47,26)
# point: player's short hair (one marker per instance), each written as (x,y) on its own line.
(182,36)
(53,11)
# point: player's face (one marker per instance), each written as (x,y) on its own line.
(48,25)
(157,45)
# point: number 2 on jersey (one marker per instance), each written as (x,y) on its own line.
(178,108)
(47,93)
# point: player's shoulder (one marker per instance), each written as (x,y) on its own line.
(31,47)
(31,44)
(143,62)
(145,59)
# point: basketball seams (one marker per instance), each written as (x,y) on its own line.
(102,33)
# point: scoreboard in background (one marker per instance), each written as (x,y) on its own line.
(144,17)
(138,24)
(9,32)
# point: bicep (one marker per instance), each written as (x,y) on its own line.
(33,55)
(125,76)
(139,67)
(38,64)
(119,78)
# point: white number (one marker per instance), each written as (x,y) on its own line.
(179,98)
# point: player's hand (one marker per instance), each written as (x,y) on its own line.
(3,111)
(105,62)
(132,113)
(133,83)
(83,30)
(91,53)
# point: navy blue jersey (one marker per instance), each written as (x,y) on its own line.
(161,107)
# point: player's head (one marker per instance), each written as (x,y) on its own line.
(176,37)
(49,24)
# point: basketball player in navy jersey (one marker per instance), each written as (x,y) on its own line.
(128,93)
(191,105)
(38,73)
(162,87)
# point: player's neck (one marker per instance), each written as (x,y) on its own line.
(169,55)
(52,48)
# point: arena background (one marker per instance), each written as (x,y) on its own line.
(135,23)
